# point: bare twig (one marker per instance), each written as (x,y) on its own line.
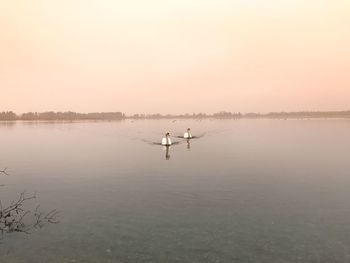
(4,171)
(15,218)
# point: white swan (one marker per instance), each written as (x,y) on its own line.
(188,134)
(166,140)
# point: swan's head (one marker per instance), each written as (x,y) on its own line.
(188,129)
(167,134)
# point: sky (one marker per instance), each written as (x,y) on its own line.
(169,56)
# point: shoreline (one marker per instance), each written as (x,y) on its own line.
(175,119)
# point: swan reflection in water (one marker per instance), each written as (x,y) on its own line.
(188,144)
(166,143)
(167,149)
(167,154)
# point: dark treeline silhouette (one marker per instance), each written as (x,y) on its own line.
(11,116)
(238,115)
(222,114)
(50,115)
(8,116)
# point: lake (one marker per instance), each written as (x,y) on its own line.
(245,191)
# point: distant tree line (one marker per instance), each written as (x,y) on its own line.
(187,115)
(69,115)
(238,115)
(8,116)
(301,115)
(50,115)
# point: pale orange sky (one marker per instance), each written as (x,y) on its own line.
(174,56)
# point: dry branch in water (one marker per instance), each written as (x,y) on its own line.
(4,171)
(15,218)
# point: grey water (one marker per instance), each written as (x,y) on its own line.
(245,191)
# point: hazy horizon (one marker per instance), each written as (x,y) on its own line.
(174,56)
(179,114)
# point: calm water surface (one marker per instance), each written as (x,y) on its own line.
(247,191)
